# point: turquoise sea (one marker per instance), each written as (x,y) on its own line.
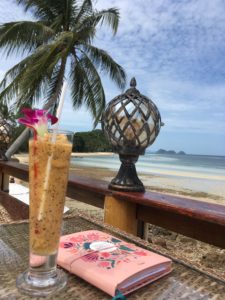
(188,172)
(201,165)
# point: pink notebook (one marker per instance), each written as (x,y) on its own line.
(109,263)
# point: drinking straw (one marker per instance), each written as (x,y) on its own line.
(53,141)
(59,111)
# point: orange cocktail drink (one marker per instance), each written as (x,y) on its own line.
(49,160)
(48,176)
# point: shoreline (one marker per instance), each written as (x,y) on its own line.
(178,186)
(23,157)
(84,154)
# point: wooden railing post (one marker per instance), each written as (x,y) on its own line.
(1,179)
(121,214)
(4,181)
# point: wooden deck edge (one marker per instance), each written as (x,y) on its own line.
(201,220)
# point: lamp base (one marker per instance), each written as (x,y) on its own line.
(127,180)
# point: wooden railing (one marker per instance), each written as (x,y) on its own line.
(128,211)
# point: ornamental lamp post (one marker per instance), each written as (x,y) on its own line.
(131,122)
(6,131)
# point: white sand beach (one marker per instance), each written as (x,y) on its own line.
(196,185)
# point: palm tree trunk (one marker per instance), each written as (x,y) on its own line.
(23,137)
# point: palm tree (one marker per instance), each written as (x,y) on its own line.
(59,43)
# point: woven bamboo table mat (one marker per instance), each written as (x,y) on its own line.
(183,283)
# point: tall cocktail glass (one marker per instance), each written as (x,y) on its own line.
(49,160)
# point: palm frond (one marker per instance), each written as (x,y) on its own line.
(85,35)
(37,76)
(43,9)
(85,11)
(68,13)
(77,82)
(86,87)
(56,13)
(23,36)
(104,61)
(47,56)
(97,87)
(55,87)
(42,69)
(9,86)
(109,17)
(56,24)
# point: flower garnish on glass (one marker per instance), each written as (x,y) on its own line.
(37,119)
(49,160)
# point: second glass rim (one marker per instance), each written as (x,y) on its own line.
(60,131)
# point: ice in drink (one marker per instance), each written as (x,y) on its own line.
(48,175)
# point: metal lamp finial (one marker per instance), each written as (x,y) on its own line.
(133,82)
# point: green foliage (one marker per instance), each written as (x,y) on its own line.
(7,113)
(8,117)
(91,141)
(59,42)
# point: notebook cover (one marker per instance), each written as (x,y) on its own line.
(106,261)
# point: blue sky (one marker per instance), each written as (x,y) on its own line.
(176,51)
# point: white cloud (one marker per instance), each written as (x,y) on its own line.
(10,11)
(170,37)
(176,51)
(186,106)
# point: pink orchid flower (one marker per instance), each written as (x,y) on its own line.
(37,119)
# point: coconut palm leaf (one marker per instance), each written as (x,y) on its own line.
(23,36)
(85,10)
(9,86)
(88,79)
(96,87)
(81,84)
(54,88)
(108,17)
(105,62)
(44,9)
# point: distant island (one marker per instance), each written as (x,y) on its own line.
(162,151)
